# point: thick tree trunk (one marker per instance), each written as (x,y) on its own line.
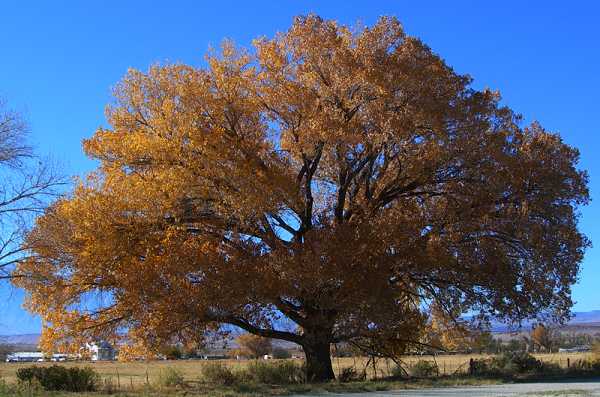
(318,361)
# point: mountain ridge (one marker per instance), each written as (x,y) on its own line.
(591,317)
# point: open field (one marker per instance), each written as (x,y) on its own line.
(127,375)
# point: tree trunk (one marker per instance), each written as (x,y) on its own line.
(318,361)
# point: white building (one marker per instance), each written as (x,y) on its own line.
(101,351)
(25,357)
(34,357)
(576,349)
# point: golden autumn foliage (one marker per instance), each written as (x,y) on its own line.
(344,180)
(542,336)
(253,346)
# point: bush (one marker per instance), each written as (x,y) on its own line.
(480,367)
(424,369)
(350,374)
(523,362)
(60,378)
(281,373)
(172,352)
(171,377)
(34,388)
(550,369)
(589,366)
(218,374)
(280,353)
(508,364)
(398,371)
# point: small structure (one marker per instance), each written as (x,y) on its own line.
(576,349)
(101,351)
(213,357)
(25,357)
(59,357)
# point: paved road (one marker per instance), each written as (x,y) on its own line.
(575,389)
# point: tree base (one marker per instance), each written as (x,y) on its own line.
(318,363)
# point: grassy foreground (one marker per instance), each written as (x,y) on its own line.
(252,389)
(146,378)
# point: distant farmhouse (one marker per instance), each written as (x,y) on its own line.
(101,351)
(33,357)
(25,357)
(576,349)
(94,351)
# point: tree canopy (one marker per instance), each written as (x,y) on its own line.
(253,346)
(343,179)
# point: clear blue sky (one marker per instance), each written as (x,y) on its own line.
(59,60)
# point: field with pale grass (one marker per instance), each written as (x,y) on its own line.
(132,375)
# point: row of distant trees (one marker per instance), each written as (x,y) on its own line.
(248,346)
(541,339)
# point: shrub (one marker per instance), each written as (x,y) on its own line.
(480,367)
(398,371)
(350,374)
(172,352)
(33,388)
(218,374)
(281,373)
(171,377)
(280,353)
(508,364)
(523,362)
(589,366)
(550,369)
(60,378)
(424,369)
(28,374)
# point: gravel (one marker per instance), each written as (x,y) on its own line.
(575,389)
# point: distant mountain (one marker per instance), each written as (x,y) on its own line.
(586,317)
(579,318)
(25,339)
(591,318)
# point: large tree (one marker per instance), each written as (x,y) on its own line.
(344,180)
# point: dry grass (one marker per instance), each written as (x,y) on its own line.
(125,375)
(447,364)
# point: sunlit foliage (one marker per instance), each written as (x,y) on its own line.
(343,179)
